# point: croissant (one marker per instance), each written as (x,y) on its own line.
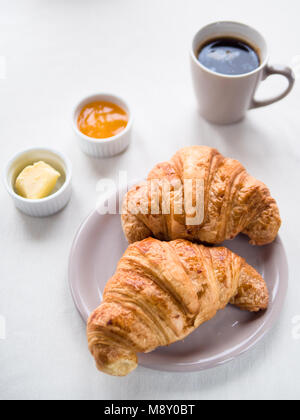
(233,202)
(163,291)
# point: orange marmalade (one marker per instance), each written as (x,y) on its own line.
(101,120)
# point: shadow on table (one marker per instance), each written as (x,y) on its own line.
(41,228)
(247,140)
(148,384)
(102,167)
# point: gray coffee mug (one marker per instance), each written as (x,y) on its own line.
(224,99)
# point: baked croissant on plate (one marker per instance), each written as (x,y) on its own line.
(161,292)
(233,202)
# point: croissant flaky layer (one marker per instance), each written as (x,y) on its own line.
(163,291)
(233,201)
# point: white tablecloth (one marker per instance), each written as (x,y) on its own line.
(57,51)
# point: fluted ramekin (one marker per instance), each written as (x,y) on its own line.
(53,203)
(101,148)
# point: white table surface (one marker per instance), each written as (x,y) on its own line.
(56,52)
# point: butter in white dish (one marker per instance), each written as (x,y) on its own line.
(37,181)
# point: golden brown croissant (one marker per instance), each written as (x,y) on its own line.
(233,202)
(163,291)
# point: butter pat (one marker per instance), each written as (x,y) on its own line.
(37,181)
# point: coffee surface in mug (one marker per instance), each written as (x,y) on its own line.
(230,56)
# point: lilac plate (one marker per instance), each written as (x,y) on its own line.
(100,244)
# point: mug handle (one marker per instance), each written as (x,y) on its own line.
(269,71)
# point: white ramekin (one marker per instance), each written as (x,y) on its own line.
(111,146)
(45,206)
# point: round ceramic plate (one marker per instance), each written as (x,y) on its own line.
(100,244)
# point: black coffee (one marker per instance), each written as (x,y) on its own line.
(230,56)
